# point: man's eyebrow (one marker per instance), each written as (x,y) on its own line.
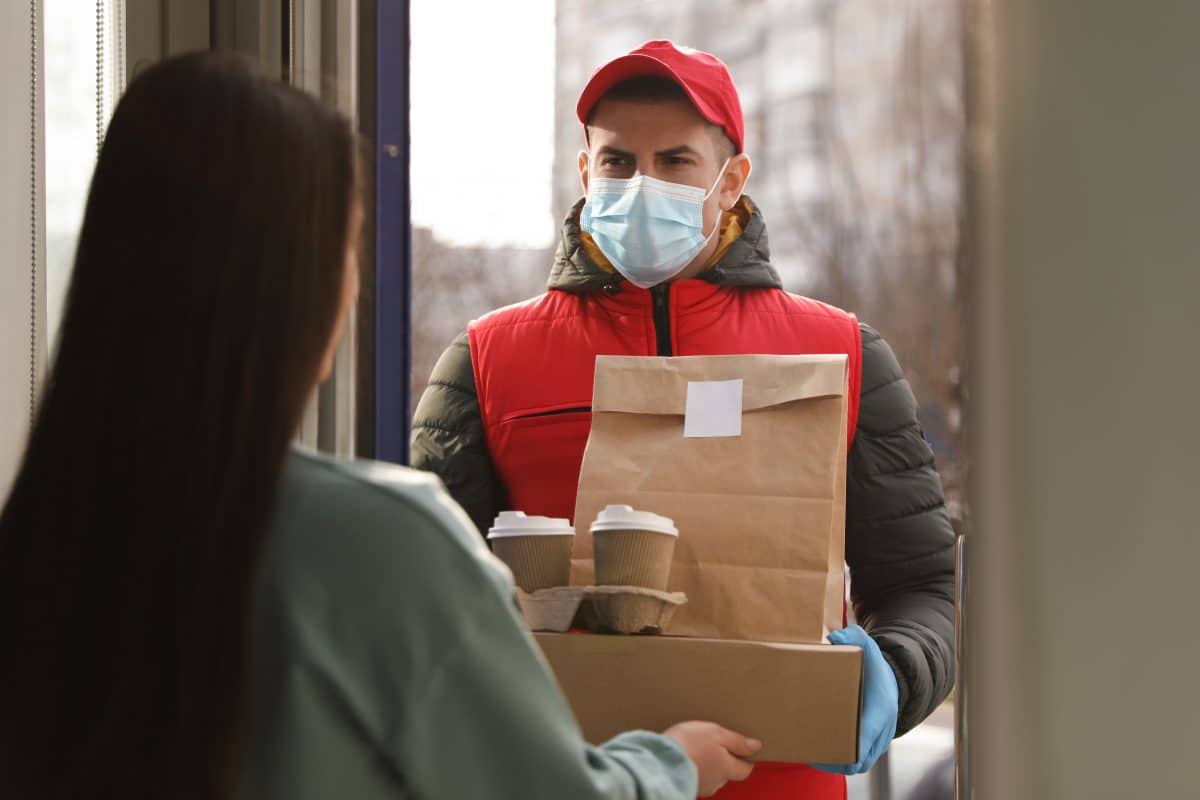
(608,150)
(679,150)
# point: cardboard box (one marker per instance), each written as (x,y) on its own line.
(801,700)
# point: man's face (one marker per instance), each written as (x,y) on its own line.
(668,140)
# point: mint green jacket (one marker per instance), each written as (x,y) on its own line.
(388,660)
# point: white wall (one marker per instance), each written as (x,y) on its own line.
(21,237)
(1086,549)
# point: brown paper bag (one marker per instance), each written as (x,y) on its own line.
(761,515)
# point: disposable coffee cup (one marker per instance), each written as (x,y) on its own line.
(536,549)
(633,548)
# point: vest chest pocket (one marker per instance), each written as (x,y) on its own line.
(538,456)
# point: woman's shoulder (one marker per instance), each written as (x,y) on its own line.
(367,576)
(359,477)
(374,492)
(367,521)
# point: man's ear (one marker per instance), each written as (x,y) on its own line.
(583,169)
(733,182)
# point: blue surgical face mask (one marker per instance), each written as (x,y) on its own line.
(648,228)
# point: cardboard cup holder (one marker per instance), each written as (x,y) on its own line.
(600,609)
(551,610)
(632,565)
(629,609)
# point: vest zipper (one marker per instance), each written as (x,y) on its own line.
(662,318)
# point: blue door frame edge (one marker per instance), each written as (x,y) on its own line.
(393,234)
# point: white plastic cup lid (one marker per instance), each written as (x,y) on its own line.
(515,523)
(625,518)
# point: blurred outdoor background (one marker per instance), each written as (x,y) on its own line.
(854,122)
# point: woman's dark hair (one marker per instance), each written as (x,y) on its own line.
(208,281)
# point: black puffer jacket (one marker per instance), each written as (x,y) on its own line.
(899,542)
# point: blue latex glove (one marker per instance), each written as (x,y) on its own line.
(881,703)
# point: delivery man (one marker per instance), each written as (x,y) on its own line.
(665,256)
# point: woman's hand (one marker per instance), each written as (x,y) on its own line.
(720,755)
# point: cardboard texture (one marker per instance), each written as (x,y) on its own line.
(761,515)
(604,609)
(550,609)
(633,558)
(537,562)
(628,609)
(801,700)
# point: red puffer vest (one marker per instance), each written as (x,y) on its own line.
(534,366)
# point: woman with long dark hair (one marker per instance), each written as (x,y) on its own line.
(191,609)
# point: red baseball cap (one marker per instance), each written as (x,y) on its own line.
(704,78)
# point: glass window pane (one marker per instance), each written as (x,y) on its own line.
(84,76)
(483,143)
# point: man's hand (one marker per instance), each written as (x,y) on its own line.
(719,754)
(881,703)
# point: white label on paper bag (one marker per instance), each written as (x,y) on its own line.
(714,408)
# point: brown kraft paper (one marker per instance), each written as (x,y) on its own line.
(761,516)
